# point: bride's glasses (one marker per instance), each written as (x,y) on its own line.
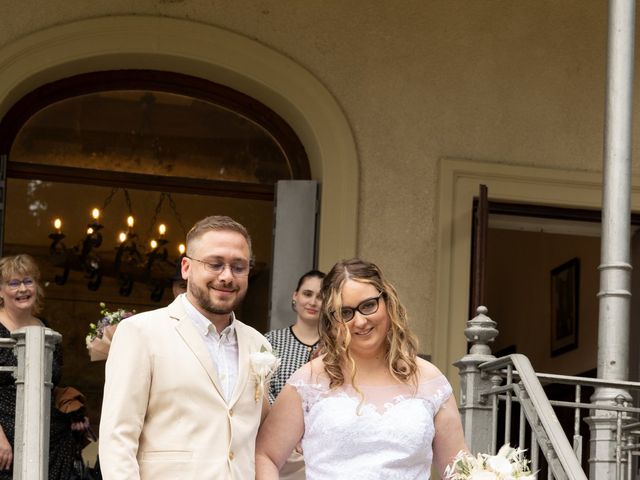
(365,307)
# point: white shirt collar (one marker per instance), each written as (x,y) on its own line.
(202,323)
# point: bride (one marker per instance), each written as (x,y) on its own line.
(369,408)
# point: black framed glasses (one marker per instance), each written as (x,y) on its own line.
(237,268)
(365,307)
(14,284)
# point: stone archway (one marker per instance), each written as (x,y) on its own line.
(212,53)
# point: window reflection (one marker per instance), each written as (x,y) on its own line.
(154,133)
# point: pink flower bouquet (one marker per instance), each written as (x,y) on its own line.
(100,333)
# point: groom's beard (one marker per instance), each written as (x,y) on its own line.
(204,300)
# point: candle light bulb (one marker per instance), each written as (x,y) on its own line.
(122,237)
(130,221)
(89,231)
(57,224)
(181,248)
(162,229)
(95,213)
(153,244)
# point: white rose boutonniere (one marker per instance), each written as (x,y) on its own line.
(263,365)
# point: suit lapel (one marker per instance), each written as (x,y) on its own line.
(194,341)
(243,362)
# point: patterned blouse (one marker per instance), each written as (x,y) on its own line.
(293,354)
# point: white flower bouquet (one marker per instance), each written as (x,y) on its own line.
(99,338)
(508,464)
(263,365)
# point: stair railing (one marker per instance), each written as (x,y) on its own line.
(491,388)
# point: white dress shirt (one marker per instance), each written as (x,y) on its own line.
(222,347)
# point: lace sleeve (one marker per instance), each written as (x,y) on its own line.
(437,391)
(443,394)
(310,386)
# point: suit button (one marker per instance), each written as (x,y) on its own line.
(231,412)
(230,455)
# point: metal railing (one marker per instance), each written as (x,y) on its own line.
(626,415)
(503,401)
(514,381)
(519,384)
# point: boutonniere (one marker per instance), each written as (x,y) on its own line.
(263,365)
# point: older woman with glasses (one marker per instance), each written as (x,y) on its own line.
(21,298)
(369,407)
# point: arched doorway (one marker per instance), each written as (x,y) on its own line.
(215,54)
(161,148)
(220,56)
(141,131)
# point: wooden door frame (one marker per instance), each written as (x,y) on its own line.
(480,226)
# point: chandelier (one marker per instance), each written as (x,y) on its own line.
(131,263)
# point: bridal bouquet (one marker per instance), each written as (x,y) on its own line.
(263,365)
(100,334)
(509,464)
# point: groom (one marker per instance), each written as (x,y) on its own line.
(180,399)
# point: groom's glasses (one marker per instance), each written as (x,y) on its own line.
(238,269)
(365,307)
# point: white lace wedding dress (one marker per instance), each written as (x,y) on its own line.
(387,437)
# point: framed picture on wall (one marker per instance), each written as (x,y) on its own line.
(565,297)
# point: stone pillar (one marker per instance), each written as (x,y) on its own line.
(34,351)
(476,414)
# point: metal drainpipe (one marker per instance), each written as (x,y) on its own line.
(615,267)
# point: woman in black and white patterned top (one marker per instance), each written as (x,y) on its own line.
(296,344)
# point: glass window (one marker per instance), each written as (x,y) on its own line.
(154,133)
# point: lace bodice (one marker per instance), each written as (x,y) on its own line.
(386,437)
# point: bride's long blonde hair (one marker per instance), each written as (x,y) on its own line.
(402,345)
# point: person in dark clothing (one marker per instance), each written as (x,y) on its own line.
(21,297)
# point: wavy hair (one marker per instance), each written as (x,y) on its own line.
(402,345)
(22,265)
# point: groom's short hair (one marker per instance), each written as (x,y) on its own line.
(218,223)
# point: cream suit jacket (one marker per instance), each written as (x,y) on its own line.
(164,415)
